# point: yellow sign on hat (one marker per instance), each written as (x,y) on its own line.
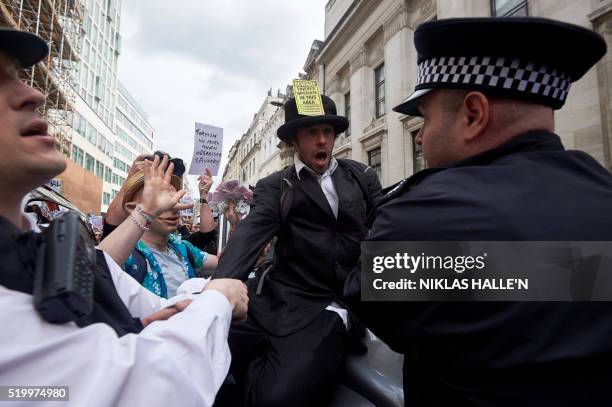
(308,97)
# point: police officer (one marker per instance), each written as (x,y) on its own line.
(487,89)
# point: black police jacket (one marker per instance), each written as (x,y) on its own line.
(491,353)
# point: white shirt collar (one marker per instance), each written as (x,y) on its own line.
(333,164)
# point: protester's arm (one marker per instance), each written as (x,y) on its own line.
(253,232)
(157,197)
(211,261)
(115,214)
(207,222)
(181,361)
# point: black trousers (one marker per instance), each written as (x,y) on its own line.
(300,369)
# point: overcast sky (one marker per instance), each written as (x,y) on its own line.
(212,61)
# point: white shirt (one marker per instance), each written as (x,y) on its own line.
(182,361)
(327,185)
(325,180)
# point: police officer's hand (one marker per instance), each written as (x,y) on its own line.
(158,194)
(236,293)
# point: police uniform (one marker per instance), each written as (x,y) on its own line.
(528,188)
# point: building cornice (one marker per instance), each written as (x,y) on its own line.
(399,19)
(600,11)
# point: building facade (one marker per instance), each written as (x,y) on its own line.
(134,136)
(94,122)
(367,65)
(110,129)
(255,154)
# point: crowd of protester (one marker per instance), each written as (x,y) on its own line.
(168,314)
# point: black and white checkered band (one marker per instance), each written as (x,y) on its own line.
(495,72)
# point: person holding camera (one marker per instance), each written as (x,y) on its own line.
(133,348)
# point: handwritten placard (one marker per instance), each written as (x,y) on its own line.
(308,97)
(208,143)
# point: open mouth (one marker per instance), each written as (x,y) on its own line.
(321,156)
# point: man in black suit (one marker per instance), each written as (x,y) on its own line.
(487,89)
(289,350)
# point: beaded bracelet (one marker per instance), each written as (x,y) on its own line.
(147,216)
(140,225)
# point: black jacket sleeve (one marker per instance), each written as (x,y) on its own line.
(253,232)
(374,188)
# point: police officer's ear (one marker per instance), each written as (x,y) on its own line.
(475,114)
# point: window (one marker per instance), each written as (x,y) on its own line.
(106,198)
(120,165)
(374,161)
(90,163)
(77,155)
(418,160)
(507,8)
(108,174)
(347,111)
(99,169)
(379,80)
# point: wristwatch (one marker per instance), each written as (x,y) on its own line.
(203,200)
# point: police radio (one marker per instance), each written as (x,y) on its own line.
(65,267)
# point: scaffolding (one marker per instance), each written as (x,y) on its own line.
(59,24)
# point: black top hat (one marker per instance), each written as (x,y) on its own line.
(526,57)
(294,120)
(26,47)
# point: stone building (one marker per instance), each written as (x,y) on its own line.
(367,65)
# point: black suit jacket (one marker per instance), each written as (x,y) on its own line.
(315,250)
(500,354)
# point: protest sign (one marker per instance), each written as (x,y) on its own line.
(208,143)
(307,97)
(186,213)
(55,184)
(96,222)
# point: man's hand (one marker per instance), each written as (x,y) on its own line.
(236,293)
(205,181)
(158,194)
(166,313)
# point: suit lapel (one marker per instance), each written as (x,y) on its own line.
(309,185)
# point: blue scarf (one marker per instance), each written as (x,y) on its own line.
(154,280)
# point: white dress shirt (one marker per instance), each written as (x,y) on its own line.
(329,190)
(182,361)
